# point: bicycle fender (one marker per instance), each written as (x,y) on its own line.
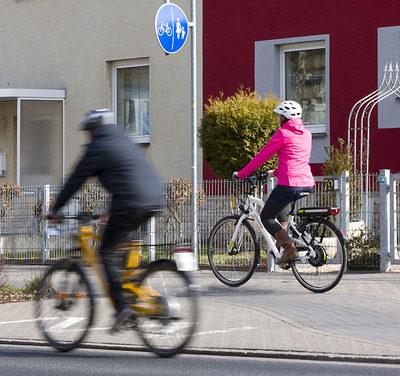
(162,261)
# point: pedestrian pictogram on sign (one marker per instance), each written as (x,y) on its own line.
(171,28)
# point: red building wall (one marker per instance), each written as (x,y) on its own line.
(231,27)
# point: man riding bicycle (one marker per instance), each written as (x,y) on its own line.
(135,187)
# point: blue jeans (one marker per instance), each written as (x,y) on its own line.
(276,206)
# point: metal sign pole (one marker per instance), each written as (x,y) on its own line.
(170,14)
(194,130)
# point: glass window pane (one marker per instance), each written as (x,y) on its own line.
(305,83)
(41,142)
(133,100)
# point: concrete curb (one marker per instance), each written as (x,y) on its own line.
(297,355)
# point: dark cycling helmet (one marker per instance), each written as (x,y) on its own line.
(289,109)
(96,118)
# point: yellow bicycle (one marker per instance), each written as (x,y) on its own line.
(162,296)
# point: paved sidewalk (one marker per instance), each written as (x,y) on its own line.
(271,315)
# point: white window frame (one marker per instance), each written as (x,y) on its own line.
(32,95)
(143,139)
(301,46)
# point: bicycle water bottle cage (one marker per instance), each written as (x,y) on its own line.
(322,211)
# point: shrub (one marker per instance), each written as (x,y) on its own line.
(3,274)
(179,192)
(32,285)
(363,249)
(234,129)
(8,192)
(339,159)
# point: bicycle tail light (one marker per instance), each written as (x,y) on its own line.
(334,211)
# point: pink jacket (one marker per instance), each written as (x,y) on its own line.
(292,143)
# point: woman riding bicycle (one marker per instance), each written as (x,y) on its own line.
(292,144)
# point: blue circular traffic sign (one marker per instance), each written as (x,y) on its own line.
(171,27)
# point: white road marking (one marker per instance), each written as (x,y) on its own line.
(73,320)
(16,322)
(66,323)
(224,331)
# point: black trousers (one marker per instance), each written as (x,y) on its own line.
(120,224)
(277,204)
(271,211)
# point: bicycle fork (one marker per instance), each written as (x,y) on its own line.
(237,238)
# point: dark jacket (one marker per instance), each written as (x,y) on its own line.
(121,167)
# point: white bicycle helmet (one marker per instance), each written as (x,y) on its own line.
(96,118)
(289,109)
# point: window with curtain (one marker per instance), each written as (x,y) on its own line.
(304,78)
(131,100)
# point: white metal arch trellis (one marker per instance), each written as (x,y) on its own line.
(359,121)
(358,136)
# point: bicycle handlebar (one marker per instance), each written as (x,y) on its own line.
(259,177)
(79,217)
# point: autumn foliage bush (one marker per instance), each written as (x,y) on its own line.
(235,128)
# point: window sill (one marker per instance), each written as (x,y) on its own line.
(317,130)
(145,139)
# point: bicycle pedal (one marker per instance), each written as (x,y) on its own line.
(129,325)
(285,266)
(124,318)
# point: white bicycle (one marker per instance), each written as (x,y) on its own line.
(234,249)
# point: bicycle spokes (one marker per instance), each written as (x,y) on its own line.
(233,258)
(321,269)
(171,315)
(64,306)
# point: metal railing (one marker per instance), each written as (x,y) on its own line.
(23,237)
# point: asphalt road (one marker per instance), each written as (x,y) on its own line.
(43,361)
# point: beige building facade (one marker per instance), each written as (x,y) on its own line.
(60,59)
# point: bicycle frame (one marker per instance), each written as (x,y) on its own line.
(148,305)
(250,209)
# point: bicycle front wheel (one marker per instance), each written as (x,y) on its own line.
(169,330)
(64,305)
(324,271)
(233,261)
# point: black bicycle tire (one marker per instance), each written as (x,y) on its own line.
(340,238)
(170,266)
(70,265)
(214,268)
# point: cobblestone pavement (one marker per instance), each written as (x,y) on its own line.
(271,315)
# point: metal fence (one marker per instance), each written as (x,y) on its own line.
(23,237)
(390,218)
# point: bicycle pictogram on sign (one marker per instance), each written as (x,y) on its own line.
(164,28)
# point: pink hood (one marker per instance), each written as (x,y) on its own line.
(292,144)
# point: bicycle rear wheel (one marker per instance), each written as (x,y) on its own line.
(234,266)
(169,331)
(64,305)
(323,272)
